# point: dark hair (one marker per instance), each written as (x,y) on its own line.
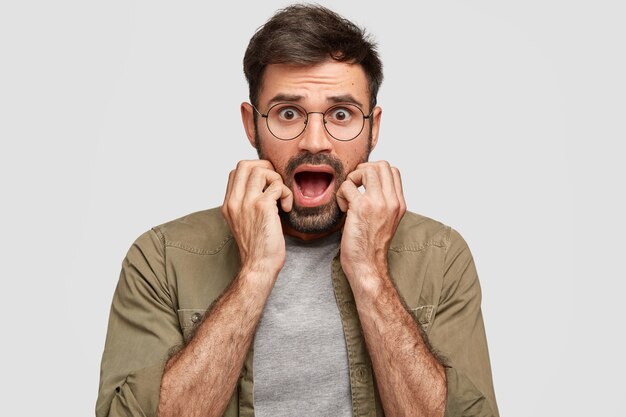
(305,34)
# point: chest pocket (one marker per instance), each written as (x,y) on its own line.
(189,320)
(424,315)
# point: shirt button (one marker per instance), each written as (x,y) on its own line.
(195,318)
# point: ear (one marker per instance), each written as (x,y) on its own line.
(375,120)
(247,117)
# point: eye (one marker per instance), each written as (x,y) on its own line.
(289,113)
(340,114)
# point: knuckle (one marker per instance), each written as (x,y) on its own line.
(259,204)
(257,170)
(373,205)
(344,187)
(231,206)
(271,187)
(246,164)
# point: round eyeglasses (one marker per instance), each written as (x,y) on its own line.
(287,121)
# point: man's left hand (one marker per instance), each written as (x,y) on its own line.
(371,221)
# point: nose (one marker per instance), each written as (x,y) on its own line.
(315,138)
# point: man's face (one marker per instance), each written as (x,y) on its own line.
(314,164)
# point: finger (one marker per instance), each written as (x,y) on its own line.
(227,195)
(259,179)
(397,181)
(366,176)
(229,185)
(286,199)
(242,172)
(386,179)
(347,194)
(278,191)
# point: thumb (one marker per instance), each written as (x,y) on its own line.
(279,191)
(346,195)
(286,198)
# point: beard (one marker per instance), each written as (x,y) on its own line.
(318,219)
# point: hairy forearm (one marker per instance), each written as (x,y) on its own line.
(200,379)
(410,379)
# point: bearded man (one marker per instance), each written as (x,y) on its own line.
(311,291)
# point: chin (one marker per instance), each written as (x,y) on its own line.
(312,220)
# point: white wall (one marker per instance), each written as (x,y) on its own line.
(505,118)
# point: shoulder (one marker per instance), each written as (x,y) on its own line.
(416,232)
(202,232)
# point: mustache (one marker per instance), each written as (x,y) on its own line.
(314,159)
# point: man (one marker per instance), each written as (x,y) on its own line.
(301,295)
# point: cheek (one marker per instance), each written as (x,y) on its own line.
(278,154)
(353,156)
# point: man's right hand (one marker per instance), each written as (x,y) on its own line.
(251,212)
(193,382)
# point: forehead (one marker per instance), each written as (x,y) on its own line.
(316,83)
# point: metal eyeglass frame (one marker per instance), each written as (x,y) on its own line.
(306,120)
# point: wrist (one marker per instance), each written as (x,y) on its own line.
(374,297)
(259,276)
(368,269)
(368,284)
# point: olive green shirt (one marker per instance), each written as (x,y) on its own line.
(173,273)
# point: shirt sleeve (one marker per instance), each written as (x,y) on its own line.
(143,328)
(458,334)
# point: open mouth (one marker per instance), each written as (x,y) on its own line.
(313,185)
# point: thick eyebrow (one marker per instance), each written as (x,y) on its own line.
(285,97)
(295,98)
(345,98)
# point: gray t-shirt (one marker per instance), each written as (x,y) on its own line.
(300,356)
